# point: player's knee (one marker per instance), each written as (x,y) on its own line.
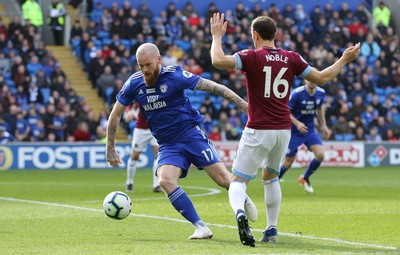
(288,162)
(223,181)
(167,183)
(320,156)
(135,155)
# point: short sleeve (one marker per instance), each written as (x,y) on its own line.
(185,79)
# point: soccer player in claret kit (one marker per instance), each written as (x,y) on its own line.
(141,137)
(305,102)
(270,72)
(174,123)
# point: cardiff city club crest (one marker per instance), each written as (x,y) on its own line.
(163,88)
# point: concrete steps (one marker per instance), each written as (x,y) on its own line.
(79,81)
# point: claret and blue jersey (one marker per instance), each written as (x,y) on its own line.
(165,105)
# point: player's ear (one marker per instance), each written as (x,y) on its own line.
(159,59)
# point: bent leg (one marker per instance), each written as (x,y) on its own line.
(168,176)
(319,152)
(287,164)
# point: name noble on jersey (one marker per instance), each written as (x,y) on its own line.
(277,57)
(153,103)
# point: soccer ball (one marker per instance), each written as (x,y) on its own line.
(117,205)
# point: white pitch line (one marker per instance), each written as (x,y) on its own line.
(335,240)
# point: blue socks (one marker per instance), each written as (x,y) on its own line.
(312,167)
(283,171)
(184,206)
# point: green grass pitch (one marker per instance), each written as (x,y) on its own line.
(353,211)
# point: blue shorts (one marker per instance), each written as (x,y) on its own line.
(297,139)
(198,151)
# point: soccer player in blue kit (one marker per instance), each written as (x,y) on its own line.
(305,102)
(174,123)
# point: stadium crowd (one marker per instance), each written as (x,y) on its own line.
(362,103)
(38,102)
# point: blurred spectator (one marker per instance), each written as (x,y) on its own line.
(212,8)
(31,11)
(361,15)
(14,25)
(33,66)
(169,59)
(5,63)
(57,72)
(359,134)
(82,134)
(215,134)
(56,20)
(145,12)
(5,136)
(341,127)
(381,14)
(131,28)
(194,67)
(58,125)
(390,136)
(38,132)
(385,80)
(369,115)
(373,135)
(35,96)
(76,30)
(97,13)
(370,49)
(106,20)
(23,128)
(100,134)
(105,81)
(231,133)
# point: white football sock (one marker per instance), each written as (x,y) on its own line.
(131,170)
(155,178)
(272,197)
(237,195)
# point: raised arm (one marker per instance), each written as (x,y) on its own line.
(112,126)
(326,75)
(221,90)
(218,57)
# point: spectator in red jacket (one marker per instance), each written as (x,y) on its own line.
(82,134)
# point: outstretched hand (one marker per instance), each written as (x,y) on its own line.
(351,52)
(218,25)
(113,157)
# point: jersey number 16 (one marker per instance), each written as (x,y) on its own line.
(278,81)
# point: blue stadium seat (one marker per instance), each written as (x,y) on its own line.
(98,44)
(379,91)
(76,48)
(10,83)
(6,75)
(127,43)
(206,75)
(348,137)
(103,35)
(339,137)
(396,119)
(107,41)
(108,94)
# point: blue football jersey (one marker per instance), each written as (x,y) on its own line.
(303,106)
(165,106)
